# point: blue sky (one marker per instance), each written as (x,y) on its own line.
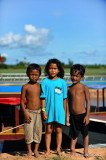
(37,30)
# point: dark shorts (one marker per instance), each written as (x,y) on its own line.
(77,125)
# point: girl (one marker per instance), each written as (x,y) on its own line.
(54,94)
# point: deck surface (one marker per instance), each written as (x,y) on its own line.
(101,117)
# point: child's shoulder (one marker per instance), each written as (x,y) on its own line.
(84,87)
(25,85)
(69,87)
(45,80)
(62,80)
(38,84)
(81,85)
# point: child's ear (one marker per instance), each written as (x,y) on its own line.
(82,77)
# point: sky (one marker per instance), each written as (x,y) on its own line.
(35,31)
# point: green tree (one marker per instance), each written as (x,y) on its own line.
(3,59)
(70,62)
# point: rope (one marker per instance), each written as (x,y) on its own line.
(11,128)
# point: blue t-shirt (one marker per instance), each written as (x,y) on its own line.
(54,92)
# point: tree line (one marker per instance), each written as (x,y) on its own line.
(23,65)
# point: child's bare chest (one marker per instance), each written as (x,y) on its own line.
(33,90)
(77,91)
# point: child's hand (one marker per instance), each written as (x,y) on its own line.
(27,118)
(67,124)
(44,115)
(67,121)
(86,120)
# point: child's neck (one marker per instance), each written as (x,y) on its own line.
(53,78)
(76,83)
(32,82)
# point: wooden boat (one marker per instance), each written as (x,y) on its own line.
(10,102)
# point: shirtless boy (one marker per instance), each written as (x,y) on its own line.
(79,108)
(32,109)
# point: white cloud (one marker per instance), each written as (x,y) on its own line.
(9,39)
(90,52)
(34,38)
(33,30)
(4,55)
(29,28)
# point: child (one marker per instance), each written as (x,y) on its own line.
(78,96)
(32,109)
(54,94)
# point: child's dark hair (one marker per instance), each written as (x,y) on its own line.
(78,68)
(33,66)
(59,65)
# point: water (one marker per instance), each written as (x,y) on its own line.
(94,102)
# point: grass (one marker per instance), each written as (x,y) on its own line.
(89,71)
(96,71)
(60,158)
(99,158)
(12,71)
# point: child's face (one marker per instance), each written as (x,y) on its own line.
(34,75)
(53,70)
(75,77)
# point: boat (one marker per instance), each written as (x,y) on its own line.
(10,104)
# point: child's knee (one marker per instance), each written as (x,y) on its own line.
(48,131)
(58,130)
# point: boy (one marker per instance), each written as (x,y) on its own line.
(78,96)
(32,109)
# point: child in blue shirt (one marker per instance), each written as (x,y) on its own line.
(54,94)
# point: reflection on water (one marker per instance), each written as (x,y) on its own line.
(94,102)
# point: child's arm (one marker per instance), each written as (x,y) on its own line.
(67,113)
(43,109)
(65,105)
(23,93)
(87,97)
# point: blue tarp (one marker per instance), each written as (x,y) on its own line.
(93,84)
(10,89)
(97,86)
(16,88)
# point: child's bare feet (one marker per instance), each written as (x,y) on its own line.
(72,152)
(47,153)
(36,154)
(87,155)
(59,152)
(29,154)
